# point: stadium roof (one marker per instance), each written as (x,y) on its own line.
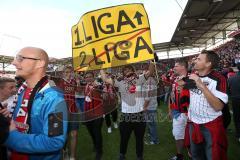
(200,21)
(6,59)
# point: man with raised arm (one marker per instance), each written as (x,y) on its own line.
(133,105)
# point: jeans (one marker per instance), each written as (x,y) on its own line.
(80,103)
(202,151)
(152,125)
(114,117)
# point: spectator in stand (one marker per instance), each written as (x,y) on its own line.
(234,87)
(237,58)
(208,138)
(228,53)
(178,107)
(231,73)
(69,86)
(39,127)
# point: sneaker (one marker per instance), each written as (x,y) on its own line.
(109,130)
(173,158)
(150,143)
(115,125)
(189,153)
(177,157)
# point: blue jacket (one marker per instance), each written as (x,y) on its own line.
(38,144)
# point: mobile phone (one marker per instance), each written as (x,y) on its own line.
(189,83)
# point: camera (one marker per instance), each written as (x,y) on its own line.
(189,83)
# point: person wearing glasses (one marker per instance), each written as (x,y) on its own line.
(38,127)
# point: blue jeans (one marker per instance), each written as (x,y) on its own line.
(202,151)
(152,125)
(80,103)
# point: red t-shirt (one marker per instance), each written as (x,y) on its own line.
(69,88)
(93,104)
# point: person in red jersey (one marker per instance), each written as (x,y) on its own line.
(93,108)
(69,86)
(178,107)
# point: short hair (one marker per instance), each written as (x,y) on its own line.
(128,67)
(182,62)
(4,80)
(212,57)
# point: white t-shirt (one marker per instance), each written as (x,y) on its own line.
(131,102)
(200,111)
(151,91)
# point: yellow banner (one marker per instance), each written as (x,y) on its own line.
(111,37)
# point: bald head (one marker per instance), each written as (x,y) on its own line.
(38,53)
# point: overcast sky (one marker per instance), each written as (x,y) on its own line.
(47,23)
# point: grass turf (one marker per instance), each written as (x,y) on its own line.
(163,151)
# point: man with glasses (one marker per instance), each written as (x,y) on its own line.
(38,129)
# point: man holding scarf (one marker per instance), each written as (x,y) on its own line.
(39,127)
(208,139)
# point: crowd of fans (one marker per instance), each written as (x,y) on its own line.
(134,90)
(229,54)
